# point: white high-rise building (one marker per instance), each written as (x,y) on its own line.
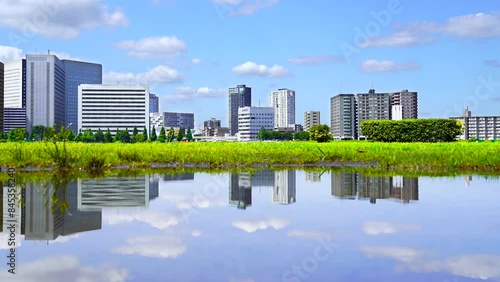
(45,91)
(283,102)
(284,187)
(252,119)
(102,106)
(15,84)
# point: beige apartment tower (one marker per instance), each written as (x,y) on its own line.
(311,118)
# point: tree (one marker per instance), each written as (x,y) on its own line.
(3,137)
(123,136)
(161,137)
(17,134)
(108,138)
(171,135)
(37,133)
(263,134)
(134,133)
(88,136)
(320,133)
(71,135)
(180,134)
(99,136)
(301,136)
(287,136)
(153,136)
(145,132)
(49,133)
(79,136)
(189,135)
(116,133)
(139,138)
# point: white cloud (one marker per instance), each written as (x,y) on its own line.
(196,61)
(154,247)
(377,228)
(251,68)
(479,26)
(64,239)
(58,19)
(9,53)
(312,60)
(243,7)
(388,66)
(479,266)
(196,233)
(159,220)
(251,226)
(158,75)
(153,47)
(309,234)
(62,269)
(186,93)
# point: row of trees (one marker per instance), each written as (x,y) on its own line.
(319,133)
(43,133)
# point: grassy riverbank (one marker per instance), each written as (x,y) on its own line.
(483,156)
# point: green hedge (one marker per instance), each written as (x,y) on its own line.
(412,130)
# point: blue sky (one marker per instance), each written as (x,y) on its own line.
(190,52)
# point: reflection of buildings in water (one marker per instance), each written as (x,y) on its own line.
(95,194)
(43,220)
(284,187)
(75,220)
(261,178)
(344,185)
(154,181)
(178,177)
(1,206)
(313,177)
(17,216)
(468,180)
(352,185)
(240,191)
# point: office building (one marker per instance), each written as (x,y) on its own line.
(283,102)
(1,97)
(480,127)
(45,91)
(343,116)
(77,73)
(252,119)
(372,106)
(114,191)
(117,107)
(154,185)
(212,123)
(404,105)
(169,119)
(14,118)
(312,176)
(404,189)
(154,103)
(239,96)
(15,84)
(284,188)
(311,118)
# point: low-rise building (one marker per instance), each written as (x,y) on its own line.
(480,127)
(252,119)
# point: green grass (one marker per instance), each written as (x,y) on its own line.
(465,156)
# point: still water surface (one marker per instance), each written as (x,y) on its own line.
(269,226)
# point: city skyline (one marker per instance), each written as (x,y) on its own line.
(445,53)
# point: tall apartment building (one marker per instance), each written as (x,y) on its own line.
(45,91)
(102,106)
(240,192)
(404,105)
(372,106)
(154,103)
(343,116)
(252,119)
(311,118)
(14,95)
(77,73)
(283,102)
(1,97)
(239,96)
(480,127)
